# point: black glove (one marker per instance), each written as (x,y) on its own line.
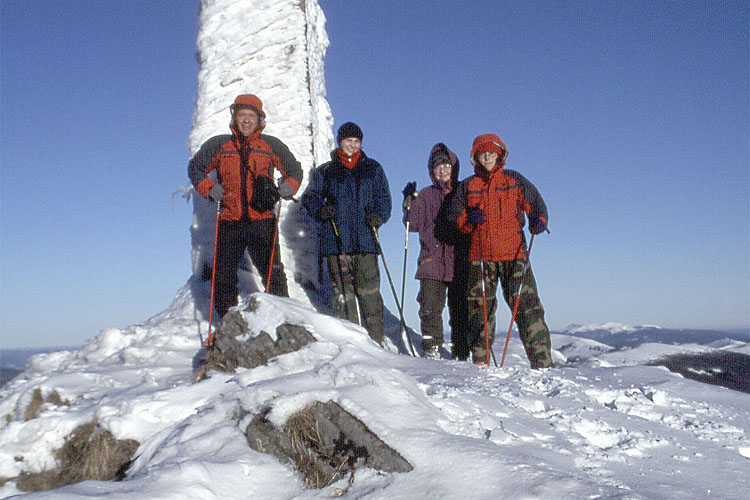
(409,192)
(265,194)
(286,191)
(327,212)
(374,220)
(410,189)
(537,225)
(216,193)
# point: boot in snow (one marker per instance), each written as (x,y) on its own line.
(432,352)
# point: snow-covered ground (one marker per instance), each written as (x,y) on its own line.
(602,424)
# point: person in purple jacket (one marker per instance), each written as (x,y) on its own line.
(438,269)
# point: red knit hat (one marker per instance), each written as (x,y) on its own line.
(248,101)
(489,142)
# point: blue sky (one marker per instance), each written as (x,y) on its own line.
(631,118)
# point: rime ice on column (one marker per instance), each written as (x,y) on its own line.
(274,49)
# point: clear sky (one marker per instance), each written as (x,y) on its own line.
(631,118)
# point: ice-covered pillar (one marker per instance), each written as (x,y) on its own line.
(274,49)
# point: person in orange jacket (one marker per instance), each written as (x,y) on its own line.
(492,206)
(246,162)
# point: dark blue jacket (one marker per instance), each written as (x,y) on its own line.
(355,193)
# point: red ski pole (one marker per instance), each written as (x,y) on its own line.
(518,299)
(273,249)
(210,339)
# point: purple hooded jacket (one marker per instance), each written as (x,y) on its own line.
(435,256)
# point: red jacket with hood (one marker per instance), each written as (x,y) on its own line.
(506,197)
(238,161)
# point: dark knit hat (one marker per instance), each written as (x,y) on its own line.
(349,129)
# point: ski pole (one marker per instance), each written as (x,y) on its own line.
(403,283)
(518,299)
(406,249)
(406,238)
(210,339)
(343,255)
(487,347)
(393,289)
(273,248)
(403,277)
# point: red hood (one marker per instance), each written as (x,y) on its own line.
(488,142)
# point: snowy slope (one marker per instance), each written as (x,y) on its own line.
(602,425)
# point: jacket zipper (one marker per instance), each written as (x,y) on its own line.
(244,158)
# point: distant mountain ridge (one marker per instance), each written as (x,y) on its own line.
(620,335)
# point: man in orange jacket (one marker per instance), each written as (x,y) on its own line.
(492,206)
(245,162)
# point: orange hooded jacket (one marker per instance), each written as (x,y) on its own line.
(239,162)
(506,197)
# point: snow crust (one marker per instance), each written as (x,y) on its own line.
(601,425)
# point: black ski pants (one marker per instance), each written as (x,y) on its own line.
(233,239)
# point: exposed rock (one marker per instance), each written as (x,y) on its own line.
(325,443)
(89,452)
(234,345)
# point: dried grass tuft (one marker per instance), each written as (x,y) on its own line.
(306,444)
(38,399)
(213,360)
(320,464)
(89,452)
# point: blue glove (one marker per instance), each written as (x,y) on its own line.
(537,225)
(476,216)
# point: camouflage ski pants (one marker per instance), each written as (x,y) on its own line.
(529,319)
(355,282)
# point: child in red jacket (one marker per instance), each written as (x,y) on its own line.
(492,206)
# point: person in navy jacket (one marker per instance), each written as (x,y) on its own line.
(350,196)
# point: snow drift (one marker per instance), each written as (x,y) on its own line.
(601,425)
